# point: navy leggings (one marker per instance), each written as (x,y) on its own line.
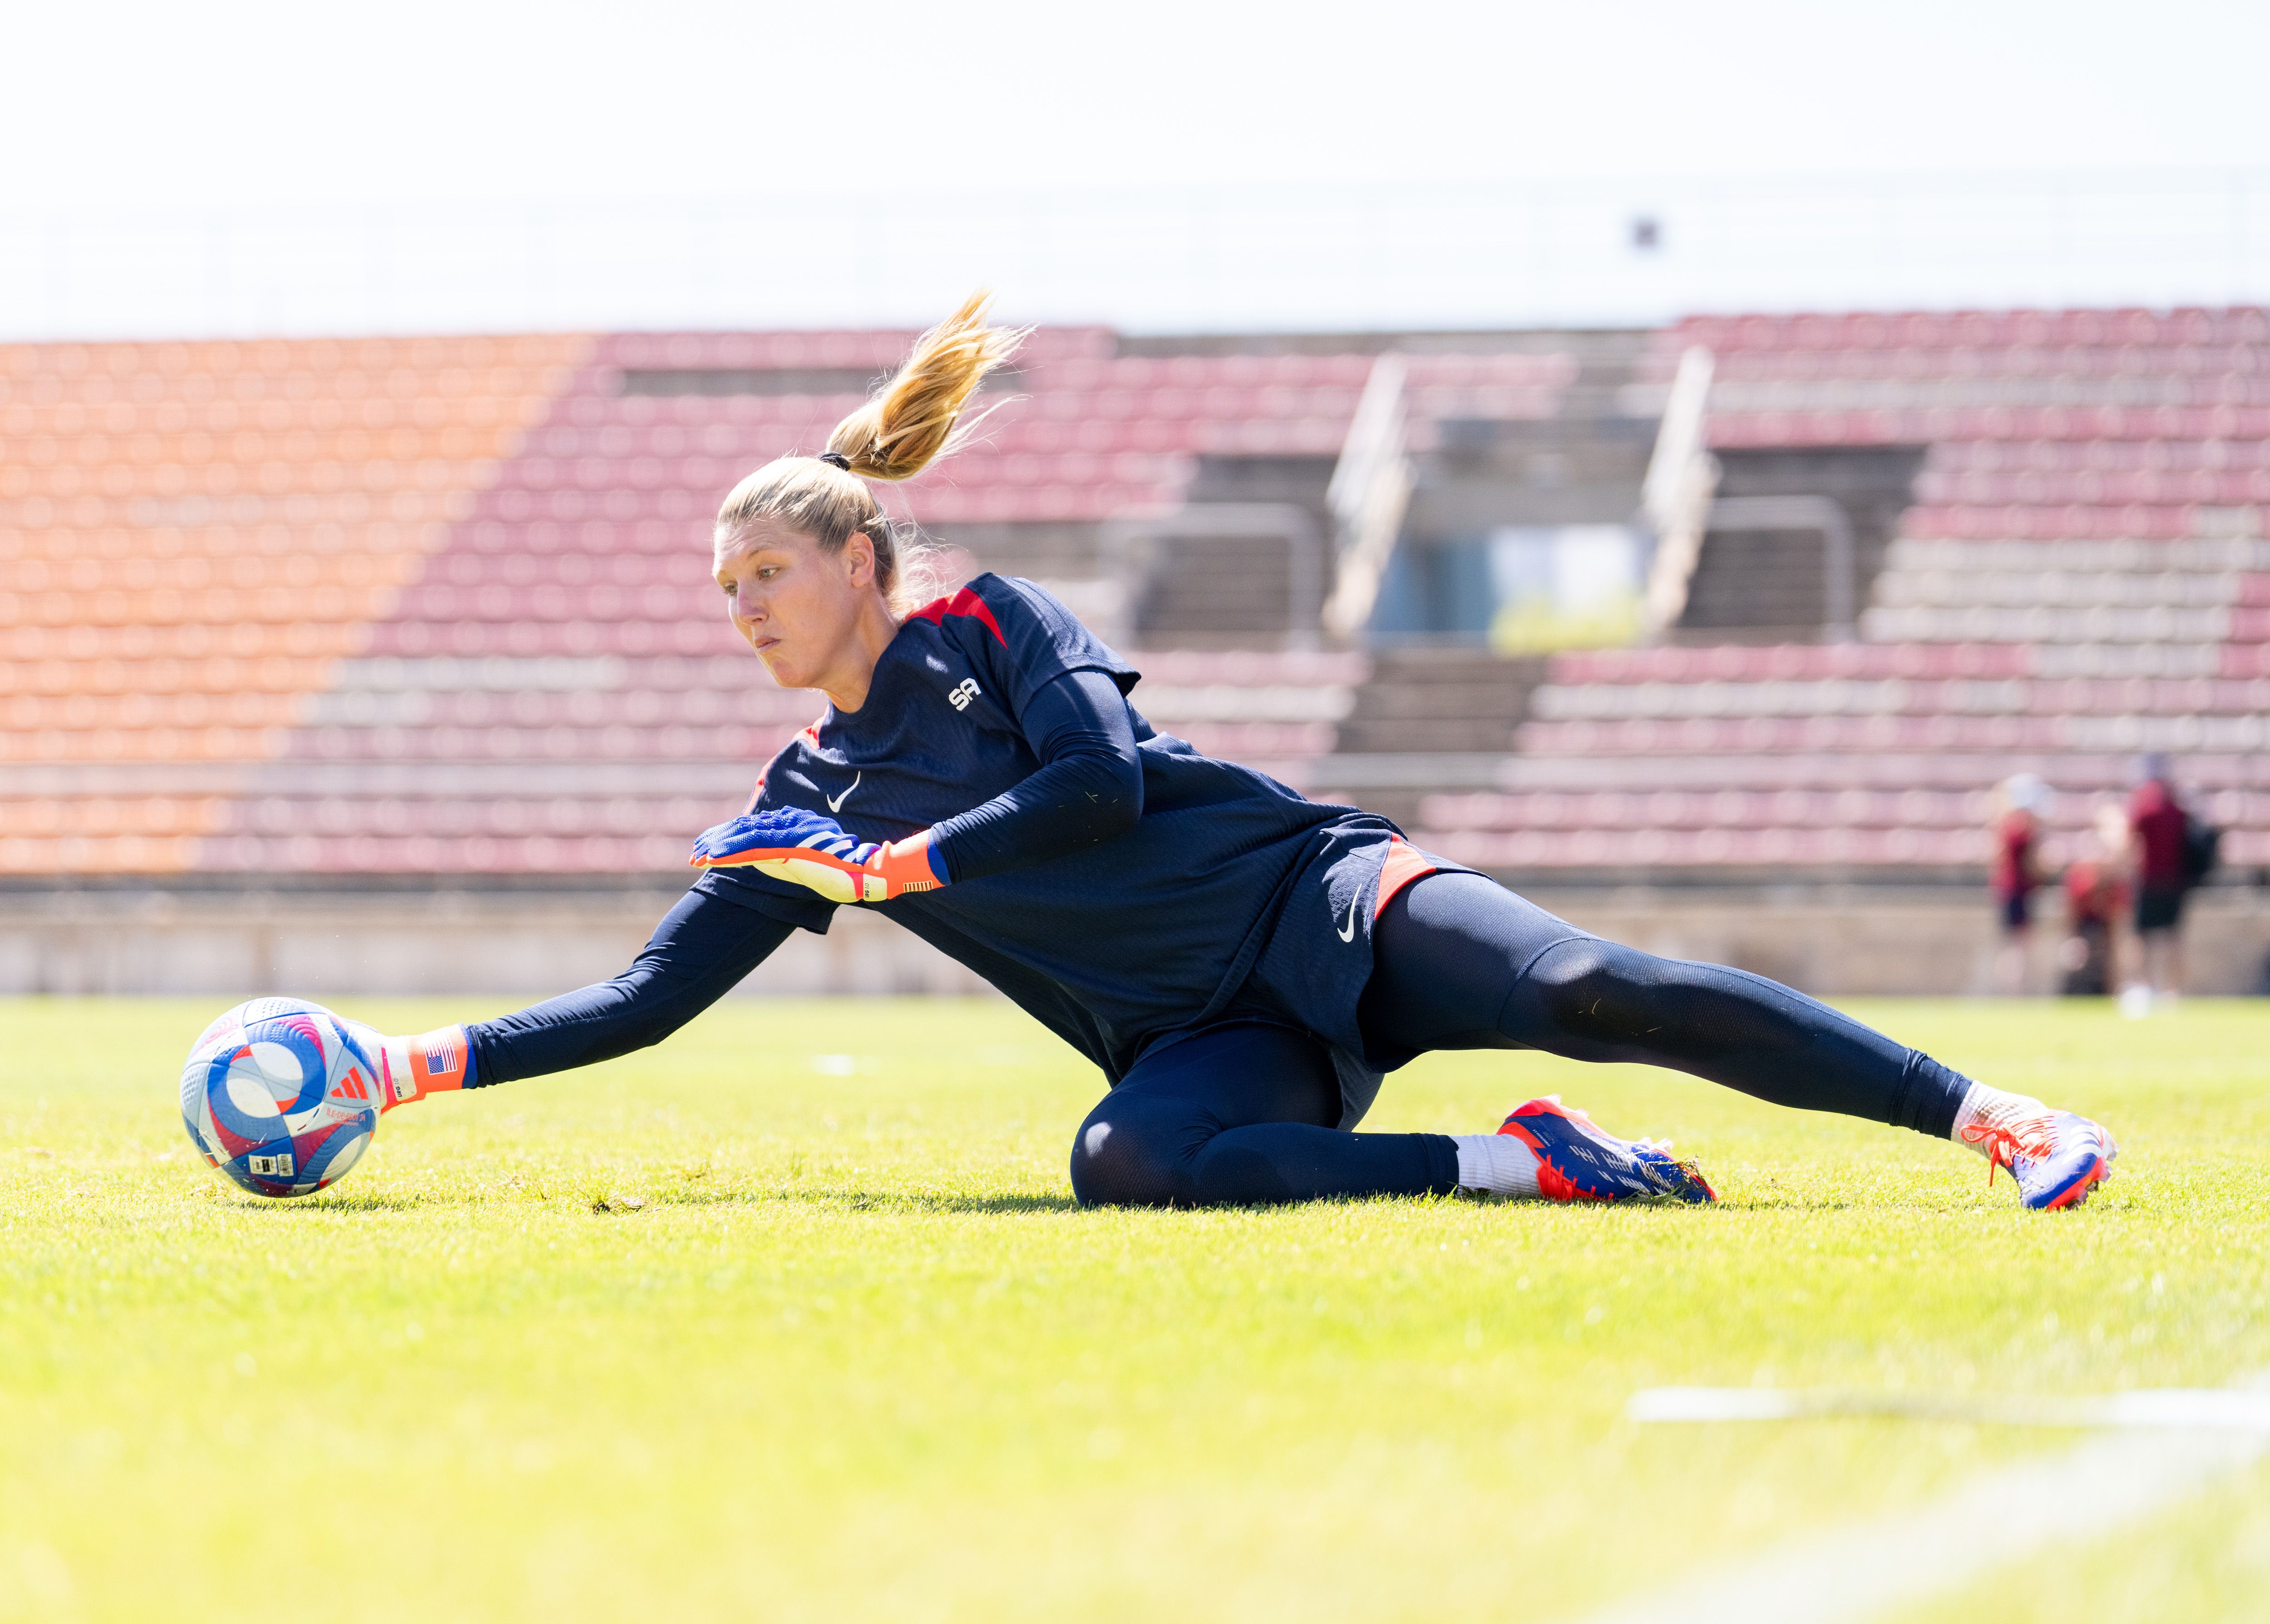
(1244,1112)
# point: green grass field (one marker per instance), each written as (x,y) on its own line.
(717,1332)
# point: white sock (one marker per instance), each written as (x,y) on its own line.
(1498,1164)
(1986,1108)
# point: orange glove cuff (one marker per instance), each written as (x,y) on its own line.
(904,870)
(434,1061)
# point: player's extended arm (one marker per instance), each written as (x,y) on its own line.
(701,949)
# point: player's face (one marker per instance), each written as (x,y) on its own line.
(798,607)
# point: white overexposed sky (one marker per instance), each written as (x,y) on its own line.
(247,168)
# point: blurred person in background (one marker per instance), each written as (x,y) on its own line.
(2019,803)
(2096,899)
(2157,827)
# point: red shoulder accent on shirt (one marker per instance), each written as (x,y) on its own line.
(962,603)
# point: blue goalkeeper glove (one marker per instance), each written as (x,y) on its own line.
(792,845)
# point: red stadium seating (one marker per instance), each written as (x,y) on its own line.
(442,605)
(2083,578)
(191,536)
(445,606)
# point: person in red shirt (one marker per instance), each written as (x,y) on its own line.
(2021,800)
(2155,853)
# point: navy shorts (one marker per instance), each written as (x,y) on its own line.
(2159,908)
(2018,911)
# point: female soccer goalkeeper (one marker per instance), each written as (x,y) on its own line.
(1243,964)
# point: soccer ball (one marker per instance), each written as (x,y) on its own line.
(281,1095)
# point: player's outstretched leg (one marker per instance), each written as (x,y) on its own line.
(1464,963)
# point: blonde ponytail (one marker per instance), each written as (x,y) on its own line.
(905,426)
(911,421)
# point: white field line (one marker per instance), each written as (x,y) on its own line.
(2173,1443)
(2241,1408)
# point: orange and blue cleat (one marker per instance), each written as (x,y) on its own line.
(1578,1160)
(2057,1160)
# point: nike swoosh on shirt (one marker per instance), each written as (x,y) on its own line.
(835,802)
(1348,933)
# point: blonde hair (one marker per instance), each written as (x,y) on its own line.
(903,428)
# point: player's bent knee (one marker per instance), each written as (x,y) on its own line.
(1120,1159)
